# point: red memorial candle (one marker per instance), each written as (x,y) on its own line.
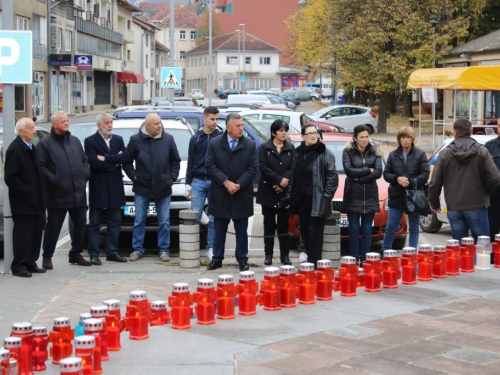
(453,254)
(13,345)
(468,253)
(114,307)
(361,280)
(101,312)
(93,327)
(4,361)
(205,297)
(84,349)
(24,330)
(40,344)
(495,246)
(324,285)
(425,262)
(138,314)
(181,302)
(159,313)
(61,336)
(71,366)
(439,265)
(307,283)
(288,289)
(391,270)
(348,275)
(247,288)
(226,292)
(373,269)
(270,289)
(409,263)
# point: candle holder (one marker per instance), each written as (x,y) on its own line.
(24,330)
(483,254)
(373,269)
(247,288)
(181,302)
(348,276)
(61,337)
(361,280)
(307,280)
(439,264)
(114,309)
(101,312)
(324,285)
(496,251)
(409,266)
(93,327)
(205,297)
(138,315)
(270,289)
(159,313)
(13,345)
(4,361)
(390,269)
(84,349)
(40,344)
(468,255)
(71,366)
(425,262)
(288,290)
(453,254)
(226,294)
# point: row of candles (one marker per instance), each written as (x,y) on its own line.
(99,331)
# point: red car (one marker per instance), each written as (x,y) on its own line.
(325,126)
(336,144)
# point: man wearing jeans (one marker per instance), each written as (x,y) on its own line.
(469,175)
(157,164)
(197,180)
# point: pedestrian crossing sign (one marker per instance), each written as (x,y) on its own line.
(171,78)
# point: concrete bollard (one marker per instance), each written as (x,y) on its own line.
(189,239)
(331,240)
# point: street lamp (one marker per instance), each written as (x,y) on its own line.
(244,37)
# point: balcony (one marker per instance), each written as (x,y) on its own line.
(152,72)
(128,66)
(102,30)
(128,35)
(39,51)
(92,17)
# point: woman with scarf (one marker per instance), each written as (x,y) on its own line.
(313,184)
(363,167)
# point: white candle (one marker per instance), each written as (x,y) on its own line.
(483,261)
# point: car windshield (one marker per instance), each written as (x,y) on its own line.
(181,136)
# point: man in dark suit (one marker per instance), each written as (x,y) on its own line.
(231,165)
(106,152)
(26,195)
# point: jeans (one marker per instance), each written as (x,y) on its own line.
(475,220)
(364,229)
(112,233)
(395,215)
(200,191)
(494,216)
(55,220)
(240,227)
(162,206)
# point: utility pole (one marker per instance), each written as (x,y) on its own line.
(210,53)
(244,79)
(172,42)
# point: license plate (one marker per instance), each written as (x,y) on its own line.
(130,211)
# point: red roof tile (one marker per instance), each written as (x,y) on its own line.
(229,42)
(183,17)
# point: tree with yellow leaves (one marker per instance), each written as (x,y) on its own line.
(203,27)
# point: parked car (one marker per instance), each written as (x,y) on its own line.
(157,99)
(274,98)
(193,115)
(295,119)
(178,92)
(254,99)
(313,95)
(347,117)
(226,108)
(325,126)
(302,93)
(225,92)
(196,94)
(432,223)
(290,98)
(264,126)
(336,144)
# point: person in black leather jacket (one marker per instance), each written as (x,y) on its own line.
(493,148)
(312,187)
(363,167)
(407,168)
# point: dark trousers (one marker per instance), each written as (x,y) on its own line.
(55,220)
(275,218)
(220,227)
(26,240)
(311,229)
(113,230)
(494,217)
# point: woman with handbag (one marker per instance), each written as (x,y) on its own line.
(407,168)
(362,163)
(275,159)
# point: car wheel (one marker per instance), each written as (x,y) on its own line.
(370,129)
(399,243)
(430,223)
(314,99)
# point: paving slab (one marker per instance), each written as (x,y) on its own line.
(481,357)
(415,350)
(454,366)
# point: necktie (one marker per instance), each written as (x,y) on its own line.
(233,144)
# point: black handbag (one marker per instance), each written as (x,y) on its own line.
(417,202)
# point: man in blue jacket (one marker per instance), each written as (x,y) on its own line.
(157,165)
(106,153)
(197,179)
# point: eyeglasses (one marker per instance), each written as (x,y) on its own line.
(312,134)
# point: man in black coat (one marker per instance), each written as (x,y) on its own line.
(232,165)
(106,153)
(66,171)
(26,196)
(493,148)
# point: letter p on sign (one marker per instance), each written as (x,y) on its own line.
(14,67)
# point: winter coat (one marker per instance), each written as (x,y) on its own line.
(325,182)
(360,188)
(273,167)
(238,166)
(198,146)
(65,169)
(23,176)
(157,163)
(106,178)
(416,169)
(466,170)
(493,147)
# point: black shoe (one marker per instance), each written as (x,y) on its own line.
(78,259)
(243,266)
(23,273)
(286,260)
(269,260)
(214,265)
(37,269)
(116,258)
(47,263)
(95,261)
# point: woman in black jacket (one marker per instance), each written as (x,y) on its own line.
(312,187)
(275,159)
(363,167)
(407,168)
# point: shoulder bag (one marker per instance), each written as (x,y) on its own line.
(417,202)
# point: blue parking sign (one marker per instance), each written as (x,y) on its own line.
(14,67)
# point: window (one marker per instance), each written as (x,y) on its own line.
(59,39)
(147,40)
(129,54)
(206,60)
(264,60)
(232,60)
(67,40)
(182,35)
(182,55)
(193,35)
(147,61)
(129,24)
(19,98)
(248,60)
(22,23)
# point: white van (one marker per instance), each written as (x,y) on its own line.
(246,98)
(323,86)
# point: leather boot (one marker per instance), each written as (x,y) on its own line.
(47,263)
(286,260)
(269,260)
